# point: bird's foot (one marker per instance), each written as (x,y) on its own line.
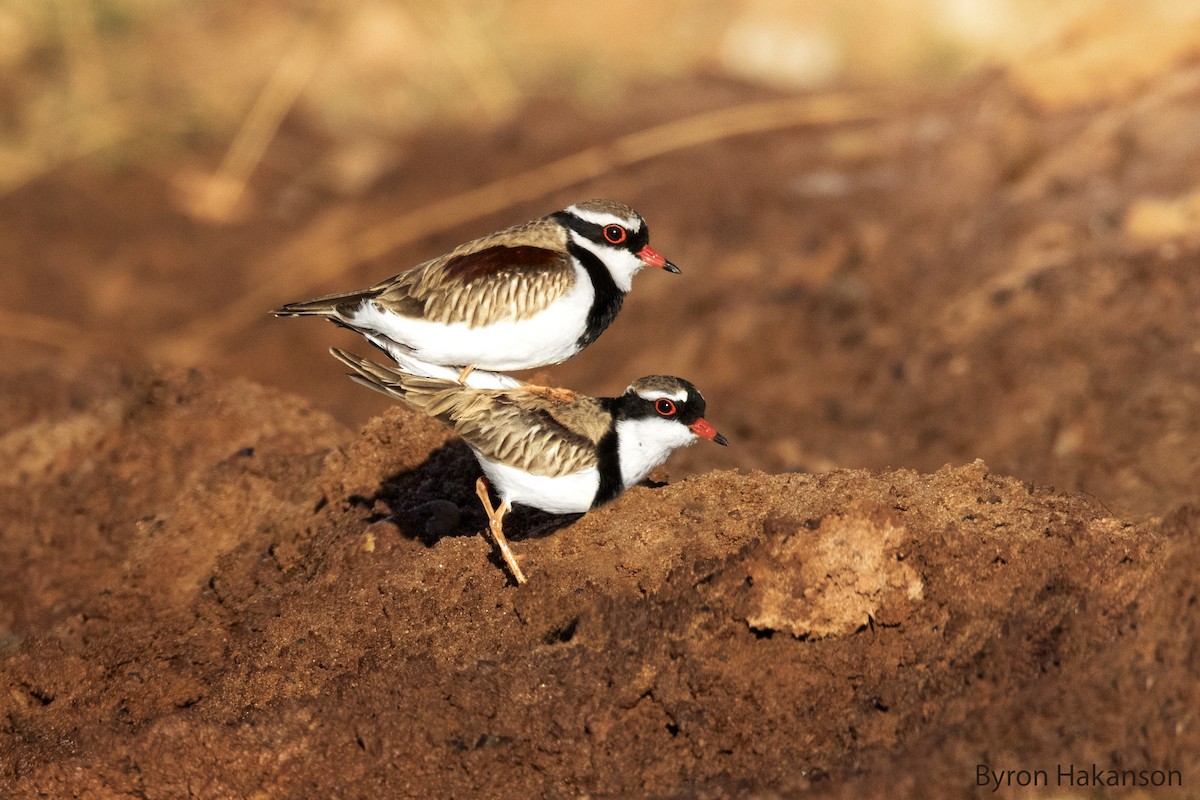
(496,525)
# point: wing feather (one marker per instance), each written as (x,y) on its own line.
(508,275)
(506,430)
(526,428)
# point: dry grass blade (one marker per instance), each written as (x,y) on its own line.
(222,192)
(37,329)
(332,247)
(87,119)
(468,50)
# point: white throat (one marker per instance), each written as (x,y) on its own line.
(621,263)
(643,444)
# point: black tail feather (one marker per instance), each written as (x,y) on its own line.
(327,306)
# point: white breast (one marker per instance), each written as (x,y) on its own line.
(548,337)
(567,494)
(477,379)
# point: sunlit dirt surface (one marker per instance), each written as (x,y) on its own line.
(214,588)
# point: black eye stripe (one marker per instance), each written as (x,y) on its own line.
(634,240)
(634,405)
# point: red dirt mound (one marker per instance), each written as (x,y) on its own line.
(210,589)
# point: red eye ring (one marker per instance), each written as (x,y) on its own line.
(615,234)
(664,407)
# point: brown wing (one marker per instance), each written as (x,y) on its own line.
(508,275)
(524,428)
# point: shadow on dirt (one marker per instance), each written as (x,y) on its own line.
(437,500)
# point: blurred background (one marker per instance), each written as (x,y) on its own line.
(913,232)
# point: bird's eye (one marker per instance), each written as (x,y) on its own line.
(664,407)
(614,234)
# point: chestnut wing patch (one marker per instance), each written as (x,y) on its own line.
(471,267)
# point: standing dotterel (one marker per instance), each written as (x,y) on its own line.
(526,297)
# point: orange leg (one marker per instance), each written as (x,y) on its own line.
(496,524)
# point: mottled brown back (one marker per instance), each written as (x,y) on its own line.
(523,428)
(512,274)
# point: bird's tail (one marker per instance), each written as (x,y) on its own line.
(412,389)
(328,306)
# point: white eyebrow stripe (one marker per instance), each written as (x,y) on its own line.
(679,396)
(597,218)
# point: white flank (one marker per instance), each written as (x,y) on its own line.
(477,379)
(548,337)
(643,444)
(567,494)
